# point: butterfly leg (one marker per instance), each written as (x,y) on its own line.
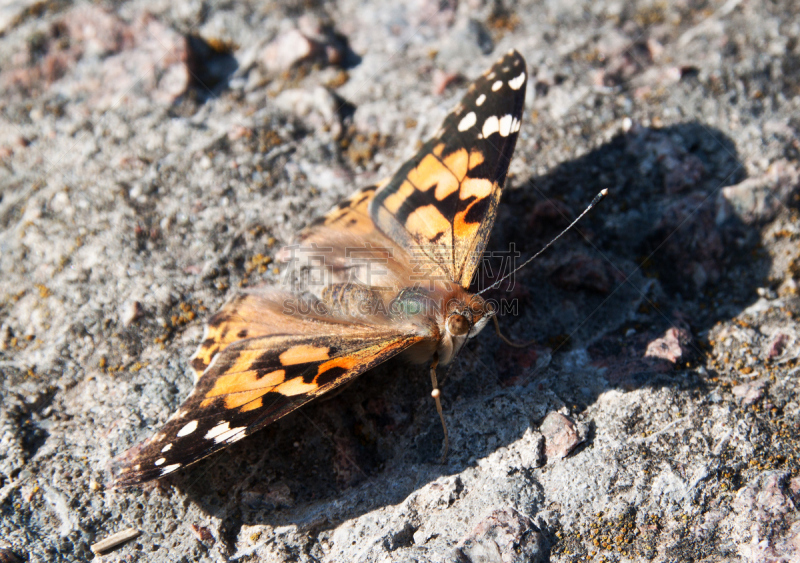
(435,393)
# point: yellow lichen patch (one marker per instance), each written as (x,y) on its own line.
(304,354)
(339,79)
(258,262)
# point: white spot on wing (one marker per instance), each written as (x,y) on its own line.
(515,125)
(170,468)
(491,125)
(233,434)
(188,429)
(497,85)
(166,448)
(160,460)
(516,83)
(480,100)
(217,430)
(467,121)
(505,125)
(490,76)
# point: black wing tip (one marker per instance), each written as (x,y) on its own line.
(512,55)
(132,469)
(511,61)
(123,475)
(121,470)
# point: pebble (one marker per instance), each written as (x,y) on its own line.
(505,536)
(675,346)
(750,392)
(561,435)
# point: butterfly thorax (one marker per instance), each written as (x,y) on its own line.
(445,314)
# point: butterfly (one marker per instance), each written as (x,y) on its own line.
(388,274)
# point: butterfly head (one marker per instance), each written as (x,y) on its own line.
(465,316)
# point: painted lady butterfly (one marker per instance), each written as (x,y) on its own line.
(399,259)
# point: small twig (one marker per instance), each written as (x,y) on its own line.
(114,540)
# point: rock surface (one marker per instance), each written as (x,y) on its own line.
(155,156)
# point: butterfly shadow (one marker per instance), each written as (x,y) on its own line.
(653,267)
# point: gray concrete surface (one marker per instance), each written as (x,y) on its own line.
(154,156)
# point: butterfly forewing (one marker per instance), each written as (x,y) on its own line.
(252,383)
(441,204)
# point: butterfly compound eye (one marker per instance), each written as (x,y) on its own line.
(457,325)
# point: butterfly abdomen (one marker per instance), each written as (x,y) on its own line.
(353,300)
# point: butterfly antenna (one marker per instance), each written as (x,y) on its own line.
(507,340)
(603,193)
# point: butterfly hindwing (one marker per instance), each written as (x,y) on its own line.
(441,204)
(250,315)
(251,383)
(351,214)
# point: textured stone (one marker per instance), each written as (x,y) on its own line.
(148,155)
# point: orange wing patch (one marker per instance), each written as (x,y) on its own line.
(303,354)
